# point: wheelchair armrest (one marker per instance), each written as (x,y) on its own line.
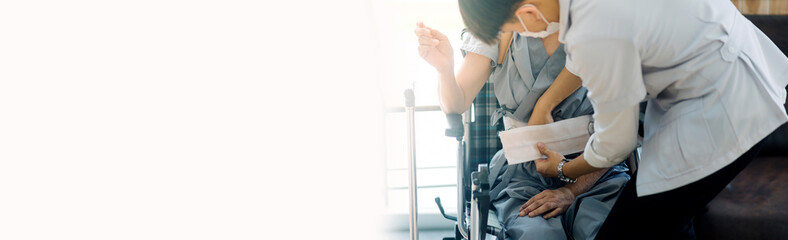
(456,128)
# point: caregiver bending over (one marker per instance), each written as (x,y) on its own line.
(533,87)
(714,83)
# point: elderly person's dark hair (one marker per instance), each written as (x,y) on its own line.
(484,18)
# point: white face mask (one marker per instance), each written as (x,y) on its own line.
(552,27)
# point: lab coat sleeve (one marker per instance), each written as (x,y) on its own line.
(614,138)
(610,70)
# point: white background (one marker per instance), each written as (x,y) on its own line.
(189,120)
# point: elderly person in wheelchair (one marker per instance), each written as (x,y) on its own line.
(533,88)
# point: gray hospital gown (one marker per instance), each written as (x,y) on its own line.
(524,76)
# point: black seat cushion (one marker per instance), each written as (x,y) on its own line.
(753,206)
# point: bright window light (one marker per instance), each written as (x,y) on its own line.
(402,68)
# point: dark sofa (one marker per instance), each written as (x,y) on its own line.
(755,204)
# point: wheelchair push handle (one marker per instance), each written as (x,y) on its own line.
(409,98)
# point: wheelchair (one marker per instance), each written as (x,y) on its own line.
(475,219)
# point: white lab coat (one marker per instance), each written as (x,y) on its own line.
(714,82)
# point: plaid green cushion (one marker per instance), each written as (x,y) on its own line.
(484,141)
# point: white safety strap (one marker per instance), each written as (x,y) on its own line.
(566,137)
(510,123)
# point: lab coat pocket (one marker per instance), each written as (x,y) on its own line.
(695,139)
(690,144)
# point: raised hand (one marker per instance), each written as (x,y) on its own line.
(434,47)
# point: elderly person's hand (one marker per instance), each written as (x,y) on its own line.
(551,203)
(540,117)
(434,47)
(548,166)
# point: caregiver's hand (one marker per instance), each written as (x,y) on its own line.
(548,167)
(434,47)
(551,203)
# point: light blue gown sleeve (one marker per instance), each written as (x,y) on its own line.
(474,45)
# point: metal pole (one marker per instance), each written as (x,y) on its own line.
(409,109)
(463,153)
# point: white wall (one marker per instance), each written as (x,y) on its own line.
(183,119)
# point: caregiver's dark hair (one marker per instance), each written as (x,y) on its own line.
(484,18)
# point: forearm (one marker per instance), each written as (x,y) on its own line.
(579,168)
(457,91)
(564,85)
(585,182)
(614,139)
(451,97)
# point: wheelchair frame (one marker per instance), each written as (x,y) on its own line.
(474,217)
(473,189)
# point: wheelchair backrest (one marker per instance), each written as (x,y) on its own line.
(483,140)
